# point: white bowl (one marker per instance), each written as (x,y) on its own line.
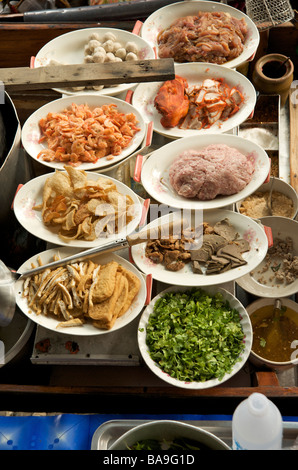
(165,16)
(280,186)
(167,429)
(281,227)
(259,360)
(68,48)
(155,368)
(31,132)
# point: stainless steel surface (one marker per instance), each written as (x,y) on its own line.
(269,201)
(109,431)
(7,296)
(77,257)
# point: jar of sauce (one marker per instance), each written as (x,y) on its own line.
(273,74)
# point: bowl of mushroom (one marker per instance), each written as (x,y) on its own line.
(94,45)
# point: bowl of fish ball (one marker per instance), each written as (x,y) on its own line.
(275,333)
(284,201)
(168,435)
(94,46)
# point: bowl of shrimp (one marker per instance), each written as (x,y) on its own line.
(87,131)
(94,45)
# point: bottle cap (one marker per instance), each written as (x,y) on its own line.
(257,404)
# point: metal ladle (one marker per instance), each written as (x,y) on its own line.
(8,277)
(269,200)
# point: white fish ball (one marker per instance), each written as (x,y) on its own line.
(94,36)
(131,47)
(117,45)
(87,50)
(93,44)
(108,46)
(88,59)
(121,53)
(99,57)
(109,36)
(110,57)
(78,88)
(97,87)
(118,59)
(131,56)
(99,49)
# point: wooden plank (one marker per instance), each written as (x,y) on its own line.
(293,110)
(53,76)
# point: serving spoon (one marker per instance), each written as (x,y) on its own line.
(9,277)
(269,200)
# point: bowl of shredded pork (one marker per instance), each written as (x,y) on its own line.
(202,31)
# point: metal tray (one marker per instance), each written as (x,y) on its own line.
(109,431)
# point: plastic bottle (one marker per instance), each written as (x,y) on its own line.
(257,424)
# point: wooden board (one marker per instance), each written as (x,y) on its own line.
(293,107)
(25,78)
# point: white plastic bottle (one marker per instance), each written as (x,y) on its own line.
(257,424)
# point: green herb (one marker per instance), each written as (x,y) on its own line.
(175,444)
(194,336)
(262,342)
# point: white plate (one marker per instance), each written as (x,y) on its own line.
(158,164)
(31,195)
(164,17)
(87,329)
(247,228)
(281,227)
(246,326)
(68,48)
(145,93)
(31,131)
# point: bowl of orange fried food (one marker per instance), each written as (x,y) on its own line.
(93,297)
(77,208)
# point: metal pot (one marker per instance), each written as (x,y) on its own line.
(168,430)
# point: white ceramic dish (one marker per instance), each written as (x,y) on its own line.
(155,171)
(246,326)
(195,73)
(69,48)
(31,194)
(247,229)
(87,329)
(167,430)
(31,132)
(280,186)
(281,227)
(260,361)
(164,17)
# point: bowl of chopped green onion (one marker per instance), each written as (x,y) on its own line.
(195,338)
(169,435)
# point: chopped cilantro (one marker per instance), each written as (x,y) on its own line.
(194,336)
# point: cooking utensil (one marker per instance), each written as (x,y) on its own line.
(8,278)
(274,329)
(269,13)
(269,200)
(134,9)
(172,228)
